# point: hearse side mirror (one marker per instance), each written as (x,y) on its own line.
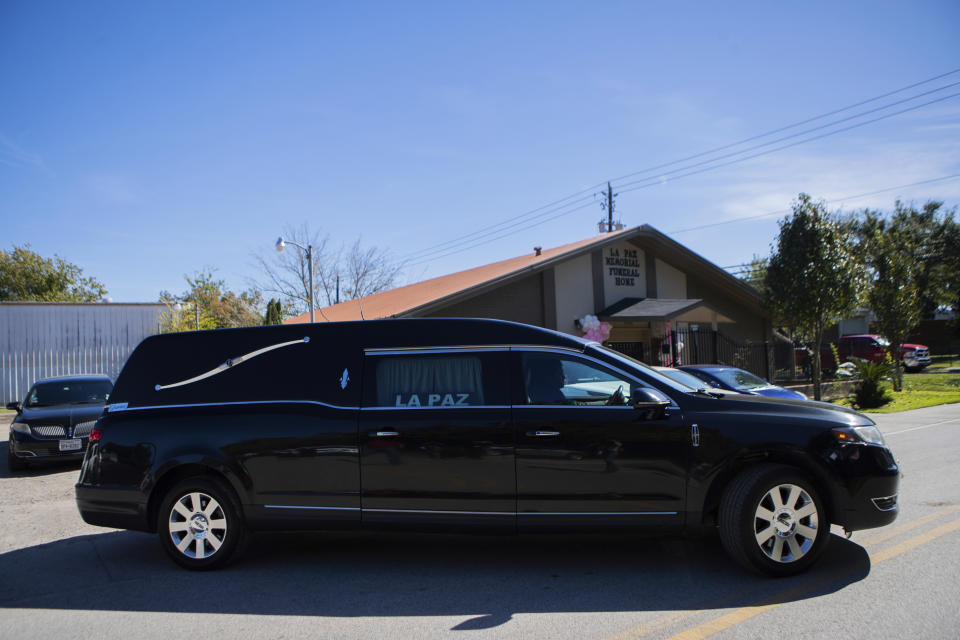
(653,404)
(14,406)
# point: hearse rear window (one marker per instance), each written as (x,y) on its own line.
(437,380)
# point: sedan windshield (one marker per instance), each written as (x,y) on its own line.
(645,368)
(49,394)
(740,379)
(683,377)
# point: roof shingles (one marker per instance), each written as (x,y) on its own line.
(401,300)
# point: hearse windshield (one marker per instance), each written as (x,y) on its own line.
(51,394)
(645,368)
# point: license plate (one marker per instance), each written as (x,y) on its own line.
(71,445)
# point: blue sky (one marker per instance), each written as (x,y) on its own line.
(145,141)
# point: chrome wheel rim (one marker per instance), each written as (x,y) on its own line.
(786,523)
(197,525)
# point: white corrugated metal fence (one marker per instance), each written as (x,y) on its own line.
(42,340)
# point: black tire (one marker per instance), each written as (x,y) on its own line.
(795,533)
(206,530)
(13,462)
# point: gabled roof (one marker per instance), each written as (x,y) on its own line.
(692,310)
(422,297)
(412,297)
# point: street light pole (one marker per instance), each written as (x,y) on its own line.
(281,244)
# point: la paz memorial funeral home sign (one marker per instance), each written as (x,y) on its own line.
(624,273)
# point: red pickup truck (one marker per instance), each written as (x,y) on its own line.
(867,347)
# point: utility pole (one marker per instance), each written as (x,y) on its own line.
(610,206)
(607,202)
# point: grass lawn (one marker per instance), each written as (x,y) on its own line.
(919,390)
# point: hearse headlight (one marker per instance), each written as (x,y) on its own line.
(859,435)
(21,427)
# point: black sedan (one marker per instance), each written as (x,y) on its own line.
(55,419)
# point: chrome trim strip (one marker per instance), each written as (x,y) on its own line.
(230,363)
(381,351)
(890,508)
(458,513)
(463,406)
(286,506)
(573,406)
(115,408)
(597,513)
(541,347)
(406,351)
(481,513)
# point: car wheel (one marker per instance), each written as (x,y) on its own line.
(772,521)
(199,523)
(13,462)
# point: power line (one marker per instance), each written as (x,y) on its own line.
(656,181)
(555,209)
(497,227)
(787,127)
(504,235)
(806,131)
(785,211)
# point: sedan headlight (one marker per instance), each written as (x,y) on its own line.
(860,435)
(21,427)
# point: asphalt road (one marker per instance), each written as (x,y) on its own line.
(60,578)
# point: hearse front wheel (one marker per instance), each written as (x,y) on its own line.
(199,523)
(772,521)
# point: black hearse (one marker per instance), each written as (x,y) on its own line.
(476,425)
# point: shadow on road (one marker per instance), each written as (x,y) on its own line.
(375,574)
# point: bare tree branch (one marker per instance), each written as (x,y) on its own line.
(359,271)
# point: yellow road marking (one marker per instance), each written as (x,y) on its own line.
(893,532)
(721,623)
(915,541)
(726,621)
(746,613)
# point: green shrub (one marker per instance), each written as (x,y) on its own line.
(869,393)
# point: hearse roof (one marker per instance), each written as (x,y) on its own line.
(398,332)
(317,362)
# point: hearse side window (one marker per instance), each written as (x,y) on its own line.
(438,380)
(559,379)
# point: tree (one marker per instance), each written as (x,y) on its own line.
(755,272)
(29,277)
(897,264)
(274,312)
(338,273)
(208,304)
(814,278)
(926,233)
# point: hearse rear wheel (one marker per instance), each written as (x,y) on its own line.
(772,521)
(199,523)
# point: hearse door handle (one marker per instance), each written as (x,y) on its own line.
(384,434)
(543,434)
